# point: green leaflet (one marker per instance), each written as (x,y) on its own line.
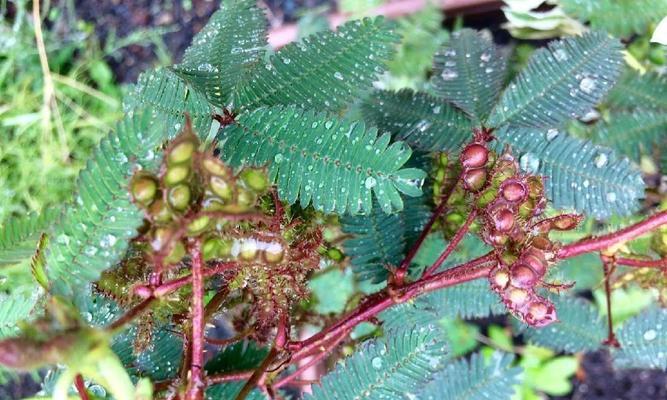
(15,307)
(579,175)
(336,165)
(171,98)
(388,368)
(580,327)
(324,71)
(560,82)
(379,239)
(93,232)
(643,341)
(469,71)
(423,121)
(621,18)
(634,90)
(631,132)
(477,379)
(19,236)
(233,40)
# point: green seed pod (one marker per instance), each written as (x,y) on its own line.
(181,152)
(443,160)
(221,188)
(535,187)
(486,197)
(215,167)
(144,188)
(176,254)
(274,253)
(248,250)
(179,197)
(508,257)
(335,254)
(455,218)
(659,242)
(211,247)
(199,225)
(211,203)
(159,212)
(255,179)
(176,174)
(526,209)
(245,198)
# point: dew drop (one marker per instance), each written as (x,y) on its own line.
(551,134)
(449,74)
(611,197)
(486,57)
(328,124)
(649,335)
(436,110)
(338,76)
(370,182)
(278,158)
(600,160)
(529,163)
(560,54)
(587,85)
(377,362)
(108,240)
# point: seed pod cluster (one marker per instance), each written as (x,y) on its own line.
(196,196)
(509,205)
(446,172)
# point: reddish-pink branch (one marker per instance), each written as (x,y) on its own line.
(603,242)
(375,304)
(81,387)
(639,263)
(452,245)
(221,378)
(405,264)
(608,266)
(324,352)
(196,384)
(165,288)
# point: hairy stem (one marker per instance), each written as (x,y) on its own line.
(608,265)
(129,316)
(405,264)
(196,382)
(639,263)
(230,377)
(603,242)
(452,245)
(81,387)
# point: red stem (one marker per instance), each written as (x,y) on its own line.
(635,262)
(131,314)
(405,264)
(196,382)
(452,245)
(175,284)
(313,361)
(608,265)
(603,242)
(236,376)
(81,387)
(468,271)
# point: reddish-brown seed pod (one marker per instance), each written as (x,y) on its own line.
(522,276)
(540,313)
(503,220)
(517,297)
(499,278)
(474,179)
(514,191)
(536,261)
(474,156)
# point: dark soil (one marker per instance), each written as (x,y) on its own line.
(183,19)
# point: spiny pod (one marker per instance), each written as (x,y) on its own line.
(144,188)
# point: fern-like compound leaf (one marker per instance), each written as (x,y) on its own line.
(579,175)
(324,71)
(19,236)
(230,44)
(172,98)
(621,18)
(476,379)
(560,82)
(379,240)
(469,71)
(635,90)
(400,363)
(468,300)
(423,121)
(93,232)
(631,132)
(336,165)
(580,327)
(15,307)
(643,340)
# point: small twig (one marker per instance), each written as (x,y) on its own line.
(129,316)
(405,264)
(81,387)
(196,382)
(230,377)
(452,245)
(168,287)
(228,341)
(325,351)
(589,245)
(639,263)
(608,266)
